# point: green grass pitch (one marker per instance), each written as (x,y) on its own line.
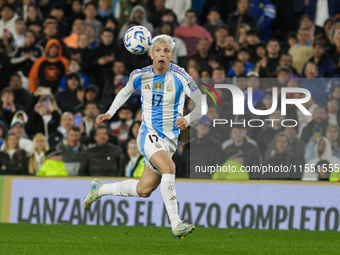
(82,239)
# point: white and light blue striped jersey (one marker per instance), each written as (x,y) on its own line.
(163,98)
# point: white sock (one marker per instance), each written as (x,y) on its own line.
(126,188)
(169,197)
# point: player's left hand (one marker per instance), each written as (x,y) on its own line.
(181,123)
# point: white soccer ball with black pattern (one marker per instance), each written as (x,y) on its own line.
(137,40)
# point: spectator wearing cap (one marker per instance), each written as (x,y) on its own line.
(121,127)
(239,17)
(18,128)
(253,82)
(8,18)
(53,165)
(66,122)
(325,65)
(67,100)
(104,159)
(71,149)
(74,67)
(13,160)
(190,32)
(264,13)
(214,21)
(302,51)
(201,150)
(239,143)
(268,65)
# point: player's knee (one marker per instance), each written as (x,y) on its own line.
(143,192)
(169,169)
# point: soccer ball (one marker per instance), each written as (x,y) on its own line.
(137,40)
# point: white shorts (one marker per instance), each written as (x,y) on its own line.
(148,142)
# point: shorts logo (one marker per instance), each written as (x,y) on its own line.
(158,86)
(169,87)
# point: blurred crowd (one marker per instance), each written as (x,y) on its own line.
(62,63)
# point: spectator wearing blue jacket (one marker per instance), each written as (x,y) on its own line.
(264,12)
(320,10)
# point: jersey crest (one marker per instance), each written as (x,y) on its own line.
(158,86)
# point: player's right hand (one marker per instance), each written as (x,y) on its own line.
(103,117)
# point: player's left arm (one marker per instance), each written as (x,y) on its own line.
(192,91)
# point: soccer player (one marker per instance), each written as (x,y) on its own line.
(163,86)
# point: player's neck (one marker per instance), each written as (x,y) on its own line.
(160,71)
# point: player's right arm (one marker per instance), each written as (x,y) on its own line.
(121,97)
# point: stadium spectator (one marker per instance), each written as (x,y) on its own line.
(269,65)
(239,143)
(24,57)
(264,13)
(58,13)
(302,51)
(8,106)
(121,127)
(133,132)
(317,127)
(33,16)
(201,56)
(214,21)
(325,65)
(267,135)
(90,31)
(323,155)
(66,122)
(179,8)
(13,160)
(71,41)
(48,71)
(50,31)
(190,32)
(239,17)
(229,53)
(333,136)
(201,150)
(18,128)
(67,100)
(297,147)
(44,118)
(320,11)
(90,12)
(71,149)
(253,82)
(135,166)
(91,111)
(315,84)
(237,69)
(287,60)
(80,54)
(126,7)
(19,33)
(53,165)
(40,146)
(156,15)
(75,13)
(104,10)
(218,45)
(137,14)
(74,67)
(280,155)
(333,52)
(333,111)
(8,18)
(21,95)
(104,159)
(100,59)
